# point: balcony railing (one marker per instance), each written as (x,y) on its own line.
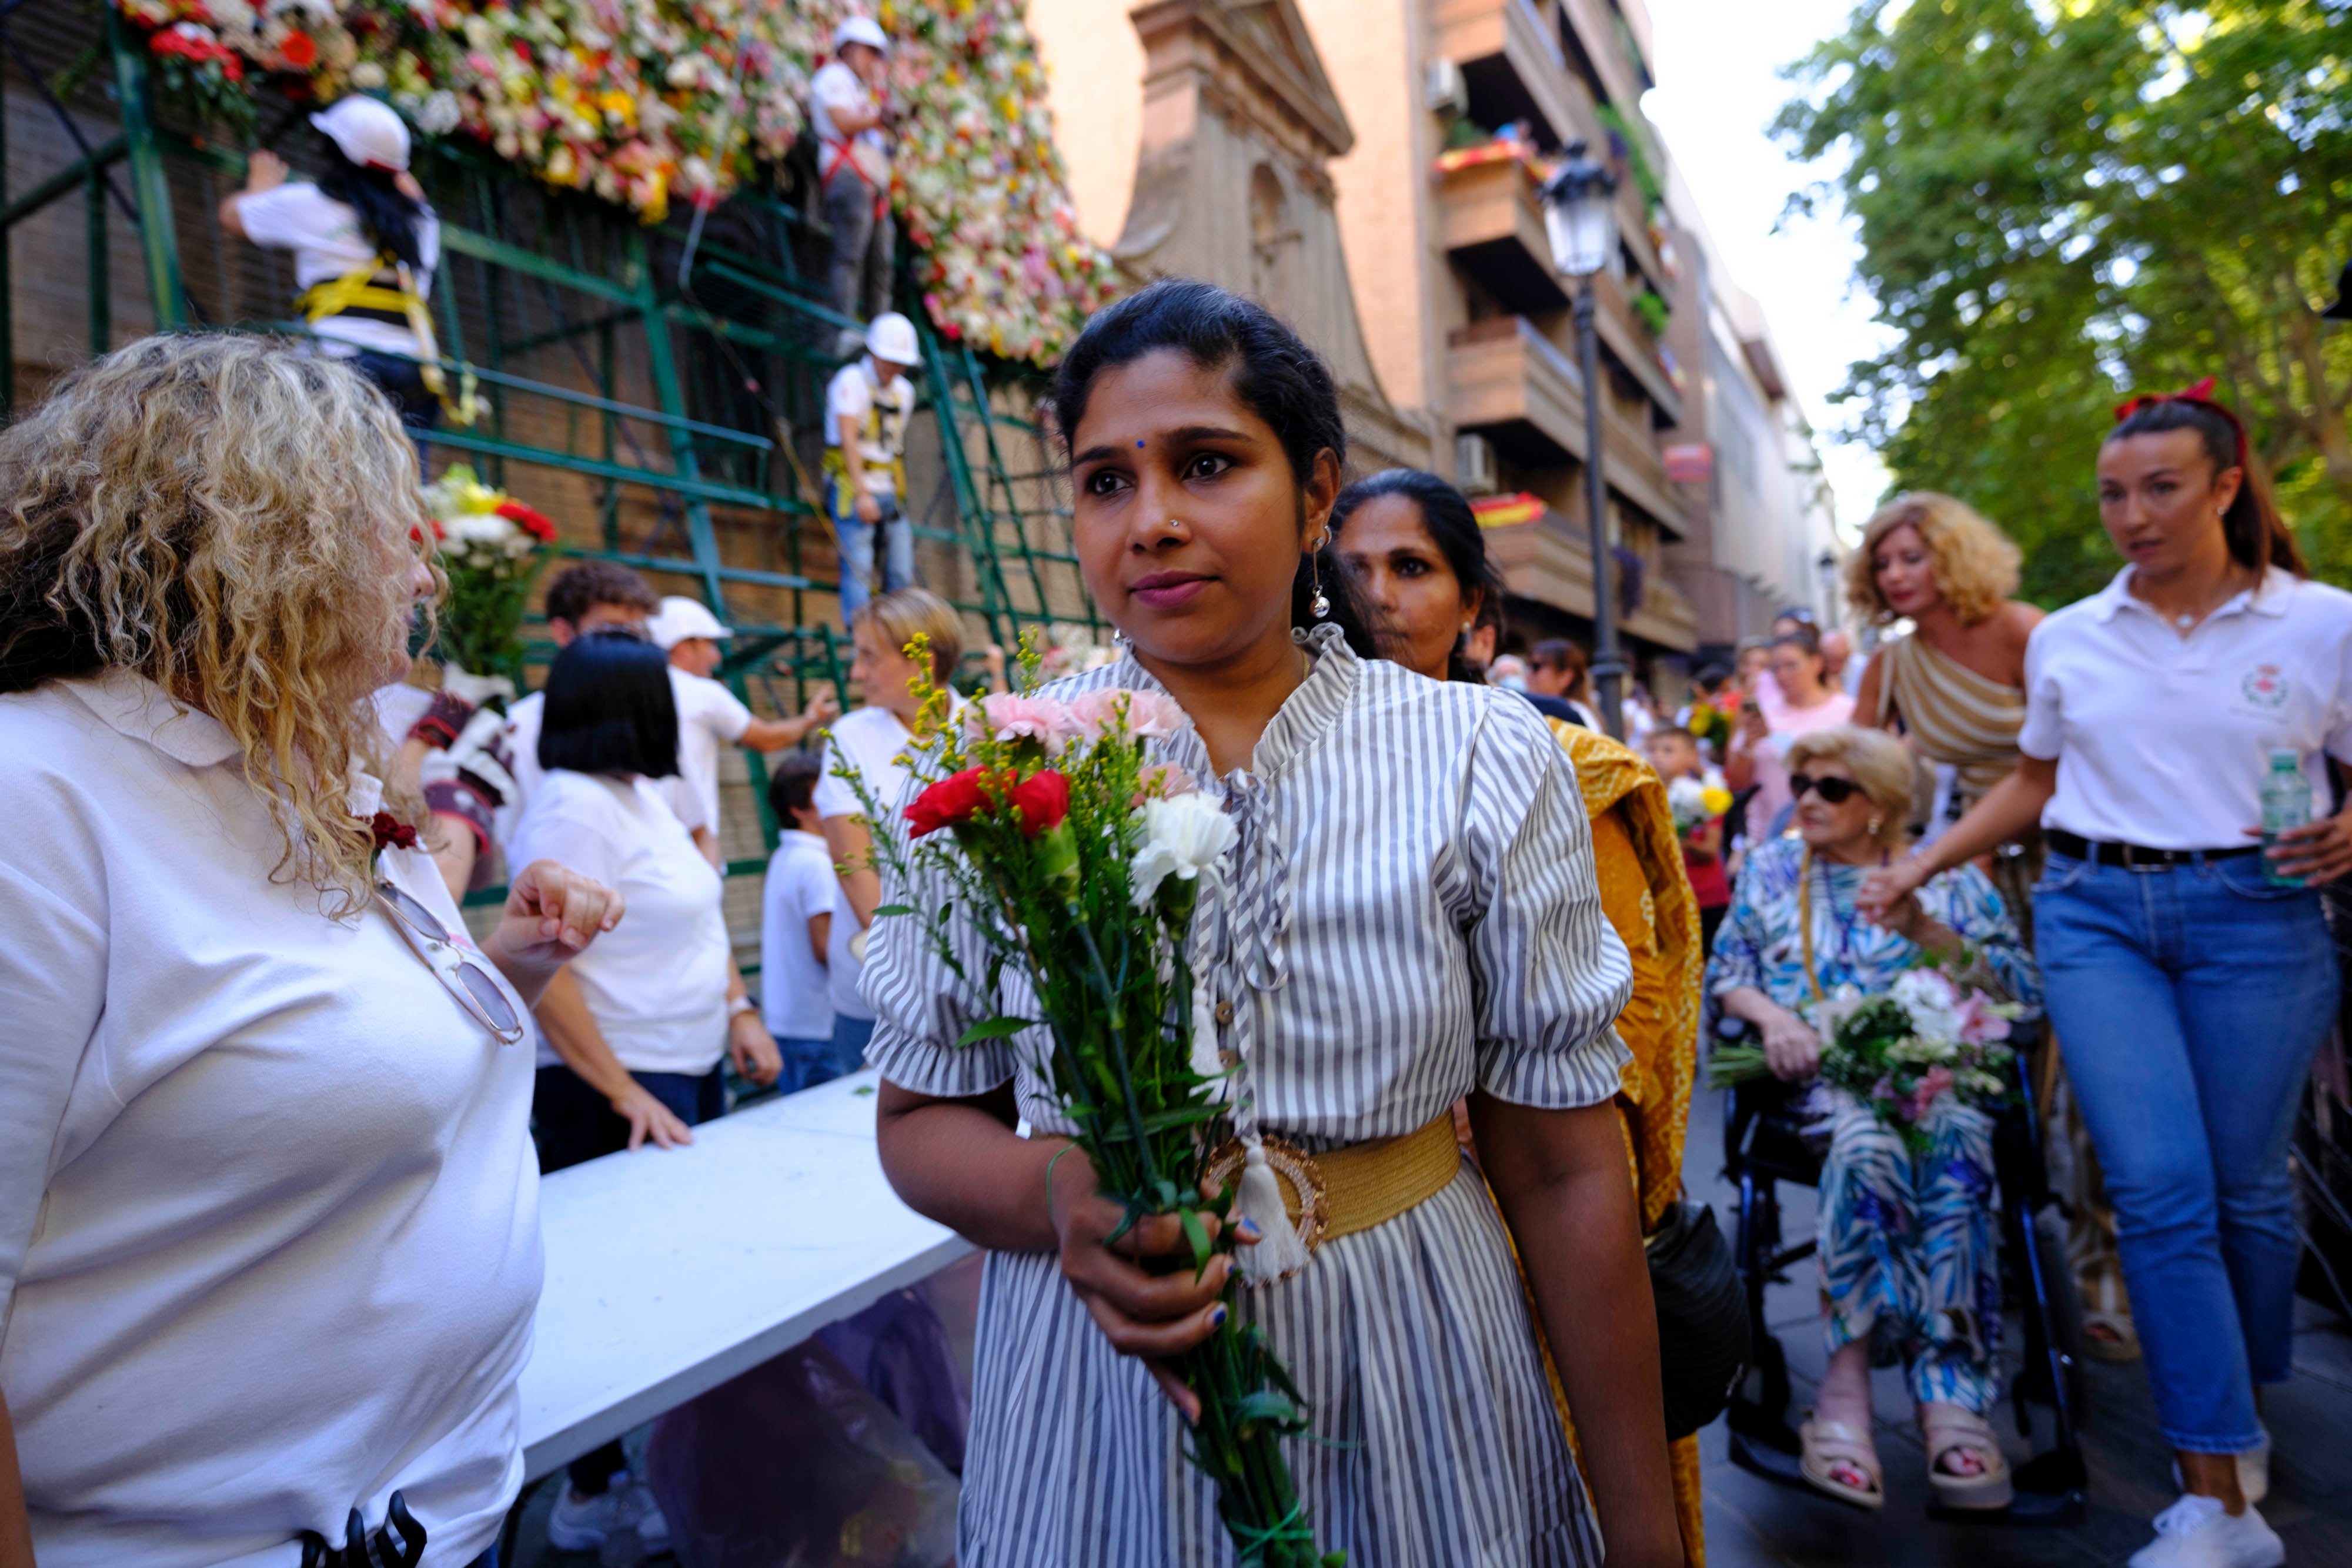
(1494,228)
(1549,559)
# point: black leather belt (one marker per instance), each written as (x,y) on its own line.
(2137,857)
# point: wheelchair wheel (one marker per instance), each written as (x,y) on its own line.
(2065,1306)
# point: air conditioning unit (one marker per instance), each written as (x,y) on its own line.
(1447,92)
(1473,464)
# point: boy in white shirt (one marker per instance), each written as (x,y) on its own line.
(867,407)
(795,925)
(709,715)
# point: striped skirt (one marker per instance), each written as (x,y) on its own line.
(1434,1443)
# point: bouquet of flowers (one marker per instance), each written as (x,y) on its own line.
(1695,802)
(491,547)
(1042,828)
(1900,1053)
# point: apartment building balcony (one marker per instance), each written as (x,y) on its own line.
(1548,558)
(1507,381)
(1494,226)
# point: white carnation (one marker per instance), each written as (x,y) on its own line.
(1934,1005)
(440,114)
(1181,837)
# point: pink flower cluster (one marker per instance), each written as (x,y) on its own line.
(1055,724)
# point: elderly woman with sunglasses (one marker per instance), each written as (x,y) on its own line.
(268,1225)
(1907,1239)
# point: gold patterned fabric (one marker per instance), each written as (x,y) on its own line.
(1646,895)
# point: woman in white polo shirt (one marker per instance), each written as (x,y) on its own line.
(2188,983)
(268,1220)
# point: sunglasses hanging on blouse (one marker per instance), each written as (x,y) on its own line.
(477,990)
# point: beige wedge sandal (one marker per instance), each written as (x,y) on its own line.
(1828,1444)
(1950,1429)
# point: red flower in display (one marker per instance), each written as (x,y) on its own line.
(538,524)
(391,832)
(951,802)
(1045,800)
(301,51)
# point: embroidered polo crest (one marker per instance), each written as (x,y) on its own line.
(2264,686)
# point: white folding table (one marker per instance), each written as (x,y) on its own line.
(671,1270)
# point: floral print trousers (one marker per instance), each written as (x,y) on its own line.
(1909,1248)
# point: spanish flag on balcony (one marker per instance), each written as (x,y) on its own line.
(1501,511)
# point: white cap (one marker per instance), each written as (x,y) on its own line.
(891,337)
(861,30)
(680,618)
(370,134)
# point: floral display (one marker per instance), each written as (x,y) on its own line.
(645,102)
(1696,802)
(1901,1053)
(1042,829)
(491,547)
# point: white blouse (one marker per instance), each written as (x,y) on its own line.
(1417,916)
(269,1211)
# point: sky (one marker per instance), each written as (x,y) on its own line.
(1717,67)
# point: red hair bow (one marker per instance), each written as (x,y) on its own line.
(2199,393)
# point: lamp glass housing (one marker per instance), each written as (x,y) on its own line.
(1580,223)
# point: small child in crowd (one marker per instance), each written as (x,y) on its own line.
(796,920)
(1675,753)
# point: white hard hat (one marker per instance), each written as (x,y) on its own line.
(891,337)
(370,134)
(861,30)
(680,618)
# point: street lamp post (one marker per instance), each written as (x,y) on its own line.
(1581,221)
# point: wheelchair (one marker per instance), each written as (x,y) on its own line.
(1764,1146)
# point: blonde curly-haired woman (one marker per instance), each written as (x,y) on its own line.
(1955,687)
(268,1225)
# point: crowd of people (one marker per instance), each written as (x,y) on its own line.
(267,1129)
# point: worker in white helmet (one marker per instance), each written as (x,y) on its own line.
(846,109)
(365,243)
(867,407)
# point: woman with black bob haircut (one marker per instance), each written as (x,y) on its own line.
(1409,918)
(610,709)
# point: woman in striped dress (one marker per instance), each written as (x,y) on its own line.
(1412,918)
(1955,687)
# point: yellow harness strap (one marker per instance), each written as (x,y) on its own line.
(359,291)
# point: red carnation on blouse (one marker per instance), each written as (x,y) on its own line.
(952,802)
(392,832)
(1044,799)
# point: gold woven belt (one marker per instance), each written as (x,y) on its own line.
(1341,1191)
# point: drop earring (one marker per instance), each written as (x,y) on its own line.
(1321,603)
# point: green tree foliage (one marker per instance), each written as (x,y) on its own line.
(2063,203)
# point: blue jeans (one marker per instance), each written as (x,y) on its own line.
(858,548)
(2189,1004)
(809,1062)
(849,1040)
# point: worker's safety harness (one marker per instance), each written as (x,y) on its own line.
(357,293)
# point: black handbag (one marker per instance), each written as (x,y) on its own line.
(1703,1330)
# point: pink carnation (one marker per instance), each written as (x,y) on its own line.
(1041,719)
(1154,714)
(1932,1084)
(1165,781)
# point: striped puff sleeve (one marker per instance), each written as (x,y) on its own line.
(922,1004)
(1550,975)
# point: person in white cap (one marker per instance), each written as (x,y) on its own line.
(846,110)
(867,407)
(364,241)
(709,715)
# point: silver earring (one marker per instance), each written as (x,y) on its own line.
(1322,602)
(1876,823)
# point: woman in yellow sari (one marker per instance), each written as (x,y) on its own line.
(1413,546)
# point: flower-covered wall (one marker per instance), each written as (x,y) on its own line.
(647,102)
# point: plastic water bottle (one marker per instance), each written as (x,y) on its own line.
(2286,803)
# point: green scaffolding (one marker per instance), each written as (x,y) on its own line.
(727,342)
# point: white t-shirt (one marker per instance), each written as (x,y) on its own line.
(795,1000)
(882,413)
(871,740)
(835,85)
(2163,740)
(325,236)
(523,718)
(268,1212)
(656,984)
(709,716)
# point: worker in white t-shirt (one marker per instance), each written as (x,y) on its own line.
(847,99)
(796,929)
(867,407)
(709,715)
(365,245)
(871,740)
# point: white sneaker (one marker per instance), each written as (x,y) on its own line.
(652,1528)
(2199,1532)
(2254,1471)
(584,1523)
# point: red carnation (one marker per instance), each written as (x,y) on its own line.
(392,832)
(950,802)
(1043,798)
(536,524)
(301,51)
